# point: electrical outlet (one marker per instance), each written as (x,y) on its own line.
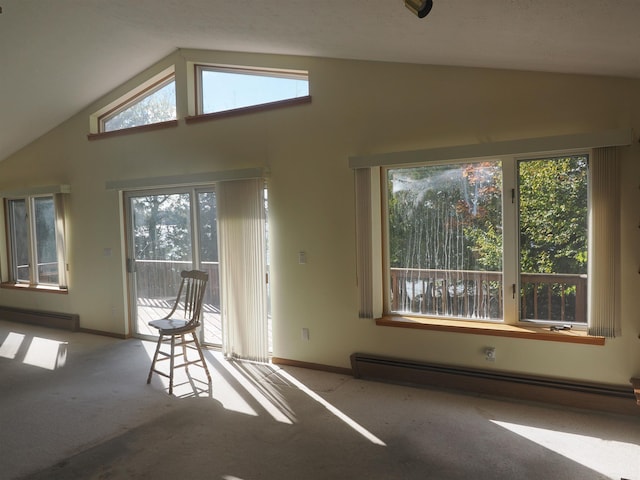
(305,334)
(490,354)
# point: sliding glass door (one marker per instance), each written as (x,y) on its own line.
(169,231)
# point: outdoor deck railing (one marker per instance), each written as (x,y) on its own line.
(161,279)
(458,293)
(479,294)
(554,296)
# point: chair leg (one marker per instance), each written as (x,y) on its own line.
(204,363)
(184,353)
(171,362)
(172,358)
(155,357)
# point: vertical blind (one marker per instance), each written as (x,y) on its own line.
(604,243)
(61,247)
(241,222)
(363,241)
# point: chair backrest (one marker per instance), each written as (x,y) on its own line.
(191,295)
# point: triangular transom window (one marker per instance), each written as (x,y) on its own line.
(221,88)
(155,104)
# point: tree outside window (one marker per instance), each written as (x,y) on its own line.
(445,238)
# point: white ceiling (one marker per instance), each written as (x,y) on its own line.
(57,56)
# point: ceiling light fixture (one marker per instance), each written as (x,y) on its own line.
(421,8)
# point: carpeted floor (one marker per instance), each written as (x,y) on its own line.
(84,411)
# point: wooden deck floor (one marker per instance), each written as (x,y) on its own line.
(151,309)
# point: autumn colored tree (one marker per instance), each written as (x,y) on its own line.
(446,217)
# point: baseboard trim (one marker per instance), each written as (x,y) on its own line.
(590,396)
(65,321)
(120,336)
(311,366)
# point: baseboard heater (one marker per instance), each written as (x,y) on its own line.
(592,396)
(66,321)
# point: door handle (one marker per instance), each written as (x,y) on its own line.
(131,265)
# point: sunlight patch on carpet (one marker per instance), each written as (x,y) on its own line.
(11,345)
(45,353)
(622,459)
(250,388)
(332,409)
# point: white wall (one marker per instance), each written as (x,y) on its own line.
(357,108)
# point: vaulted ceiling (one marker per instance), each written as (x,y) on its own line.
(57,56)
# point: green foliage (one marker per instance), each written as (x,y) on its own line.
(208,226)
(162,230)
(163,226)
(486,245)
(553,215)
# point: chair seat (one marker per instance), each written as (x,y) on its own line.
(172,325)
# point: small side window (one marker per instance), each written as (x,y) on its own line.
(36,240)
(221,88)
(156,104)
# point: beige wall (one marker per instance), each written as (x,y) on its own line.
(357,108)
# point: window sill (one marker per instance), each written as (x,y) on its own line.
(34,288)
(494,329)
(130,130)
(263,107)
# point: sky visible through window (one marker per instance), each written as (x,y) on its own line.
(222,90)
(228,90)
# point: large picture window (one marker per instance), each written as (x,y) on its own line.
(36,238)
(447,231)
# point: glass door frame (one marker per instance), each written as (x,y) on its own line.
(194,230)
